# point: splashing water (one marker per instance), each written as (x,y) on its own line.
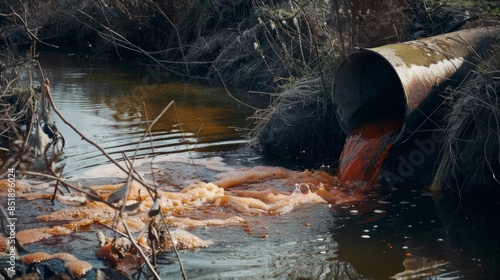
(366,148)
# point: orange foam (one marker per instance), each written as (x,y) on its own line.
(235,195)
(76,266)
(251,175)
(23,190)
(3,246)
(32,235)
(192,223)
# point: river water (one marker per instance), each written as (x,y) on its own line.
(105,102)
(396,227)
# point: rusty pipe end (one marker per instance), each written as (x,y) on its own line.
(367,87)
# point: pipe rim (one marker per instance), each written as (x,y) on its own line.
(347,120)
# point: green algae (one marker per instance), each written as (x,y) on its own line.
(413,55)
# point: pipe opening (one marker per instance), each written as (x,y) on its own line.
(366,88)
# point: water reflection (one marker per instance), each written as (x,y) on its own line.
(421,236)
(106,102)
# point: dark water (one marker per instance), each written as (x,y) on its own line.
(365,240)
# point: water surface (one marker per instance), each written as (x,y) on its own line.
(110,104)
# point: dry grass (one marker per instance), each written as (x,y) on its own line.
(300,123)
(16,110)
(469,161)
(301,52)
(17,98)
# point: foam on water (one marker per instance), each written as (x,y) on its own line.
(231,196)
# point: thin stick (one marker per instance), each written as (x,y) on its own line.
(143,255)
(181,265)
(49,95)
(68,185)
(183,272)
(30,34)
(225,87)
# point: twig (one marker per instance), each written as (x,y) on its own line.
(28,31)
(91,195)
(93,143)
(229,93)
(181,265)
(177,33)
(143,255)
(184,275)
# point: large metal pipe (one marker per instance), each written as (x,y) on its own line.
(402,80)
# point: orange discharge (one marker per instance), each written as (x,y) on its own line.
(366,148)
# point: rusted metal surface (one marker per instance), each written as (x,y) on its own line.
(402,79)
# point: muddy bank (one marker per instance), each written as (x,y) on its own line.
(254,45)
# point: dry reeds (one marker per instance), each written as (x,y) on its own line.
(300,122)
(18,100)
(16,110)
(300,49)
(469,161)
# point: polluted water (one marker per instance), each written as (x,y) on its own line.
(232,197)
(366,148)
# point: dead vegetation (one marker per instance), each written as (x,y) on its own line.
(310,40)
(289,48)
(470,158)
(19,104)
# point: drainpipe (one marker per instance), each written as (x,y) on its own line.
(404,80)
